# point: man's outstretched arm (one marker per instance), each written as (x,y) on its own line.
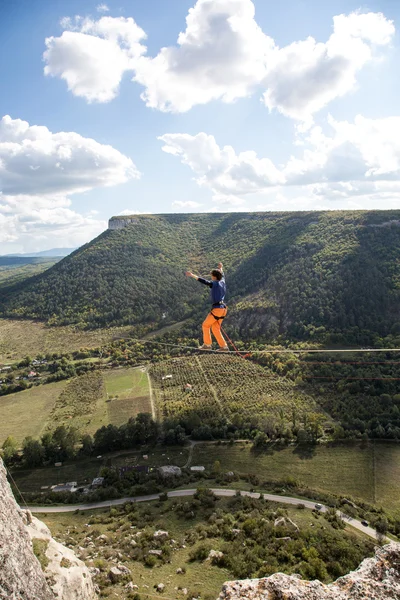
(200,279)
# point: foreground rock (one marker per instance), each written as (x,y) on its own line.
(376,579)
(69,577)
(21,575)
(64,577)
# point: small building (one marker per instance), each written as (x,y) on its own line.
(199,469)
(70,486)
(97,481)
(166,377)
(188,387)
(8,368)
(170,471)
(32,374)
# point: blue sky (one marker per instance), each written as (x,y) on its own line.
(291,107)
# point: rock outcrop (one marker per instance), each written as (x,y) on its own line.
(69,578)
(121,222)
(22,577)
(376,579)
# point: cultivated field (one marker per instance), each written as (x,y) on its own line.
(28,338)
(80,402)
(127,394)
(230,387)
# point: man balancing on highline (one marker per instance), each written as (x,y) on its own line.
(218,311)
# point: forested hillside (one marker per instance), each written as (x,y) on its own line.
(333,276)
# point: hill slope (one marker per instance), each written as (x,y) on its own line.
(293,275)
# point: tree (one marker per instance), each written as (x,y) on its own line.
(65,440)
(33,452)
(10,450)
(216,467)
(50,447)
(87,445)
(381,526)
(261,440)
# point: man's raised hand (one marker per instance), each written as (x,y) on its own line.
(189,274)
(220,266)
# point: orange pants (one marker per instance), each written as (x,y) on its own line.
(213,325)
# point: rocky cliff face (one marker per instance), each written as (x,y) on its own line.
(376,579)
(120,223)
(65,577)
(21,575)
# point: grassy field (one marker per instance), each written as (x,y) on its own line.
(21,338)
(387,475)
(28,412)
(127,394)
(199,577)
(33,480)
(82,471)
(80,402)
(348,470)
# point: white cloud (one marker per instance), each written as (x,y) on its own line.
(102,8)
(355,160)
(221,169)
(33,160)
(228,200)
(40,170)
(364,151)
(128,212)
(92,56)
(38,222)
(305,76)
(187,204)
(222,55)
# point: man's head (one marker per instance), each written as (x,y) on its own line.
(216,275)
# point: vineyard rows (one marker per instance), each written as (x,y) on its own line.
(227,386)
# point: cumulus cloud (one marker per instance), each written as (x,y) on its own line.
(185,204)
(92,56)
(102,8)
(223,54)
(127,212)
(40,170)
(363,151)
(228,200)
(221,169)
(354,159)
(305,76)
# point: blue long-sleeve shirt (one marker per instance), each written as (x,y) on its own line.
(218,290)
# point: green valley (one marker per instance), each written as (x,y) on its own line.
(329,276)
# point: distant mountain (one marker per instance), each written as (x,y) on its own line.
(19,261)
(53,252)
(331,275)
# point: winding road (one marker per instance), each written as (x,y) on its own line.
(190,492)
